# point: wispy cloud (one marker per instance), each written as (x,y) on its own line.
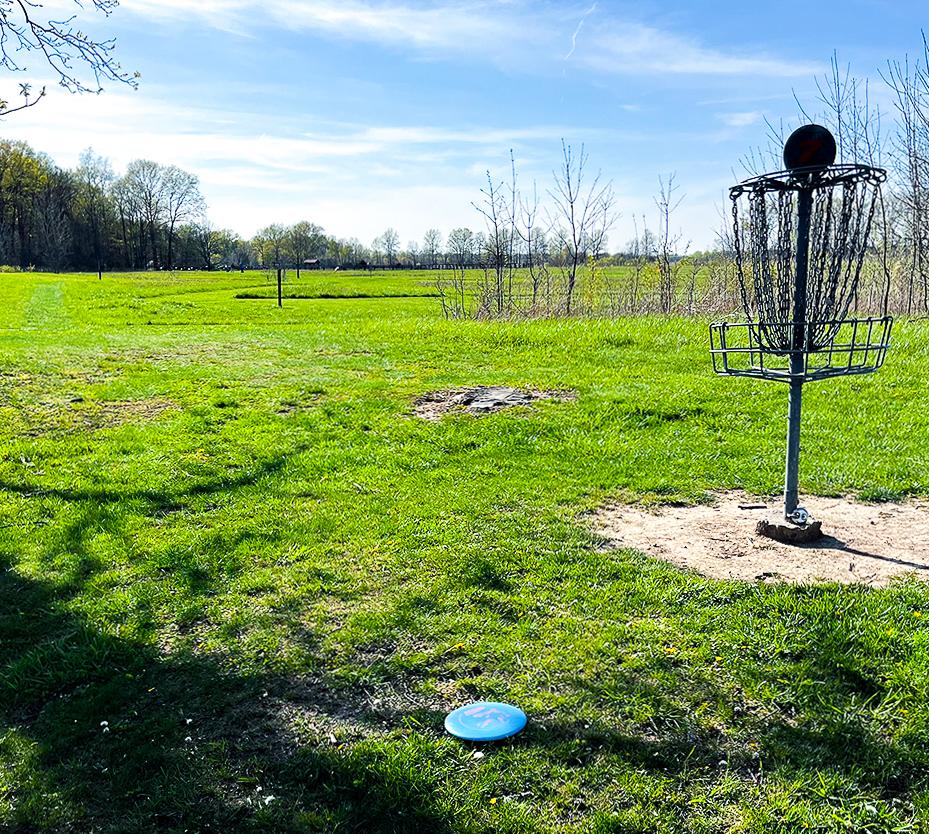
(633,48)
(352,177)
(357,152)
(741,119)
(577,31)
(127,126)
(511,32)
(431,27)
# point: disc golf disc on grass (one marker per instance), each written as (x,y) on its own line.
(485,721)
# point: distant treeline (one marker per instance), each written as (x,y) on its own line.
(541,251)
(88,218)
(153,216)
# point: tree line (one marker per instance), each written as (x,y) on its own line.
(661,275)
(535,251)
(538,247)
(89,218)
(153,216)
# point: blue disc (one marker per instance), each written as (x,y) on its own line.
(485,721)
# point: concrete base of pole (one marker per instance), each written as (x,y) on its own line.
(791,533)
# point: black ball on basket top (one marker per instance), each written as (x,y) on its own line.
(810,146)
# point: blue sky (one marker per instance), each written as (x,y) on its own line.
(364,114)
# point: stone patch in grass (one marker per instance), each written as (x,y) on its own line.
(481,399)
(866,544)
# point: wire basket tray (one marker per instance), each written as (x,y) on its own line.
(857,346)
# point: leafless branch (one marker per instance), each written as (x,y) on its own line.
(61,45)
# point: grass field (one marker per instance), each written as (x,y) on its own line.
(240,585)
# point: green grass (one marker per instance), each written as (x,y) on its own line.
(223,535)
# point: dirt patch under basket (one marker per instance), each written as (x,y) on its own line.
(866,544)
(482,399)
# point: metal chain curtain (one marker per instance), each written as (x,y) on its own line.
(845,199)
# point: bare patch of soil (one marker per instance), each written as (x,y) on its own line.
(867,544)
(78,414)
(301,402)
(482,399)
(117,412)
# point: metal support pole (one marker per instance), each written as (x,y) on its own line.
(791,481)
(280,299)
(798,353)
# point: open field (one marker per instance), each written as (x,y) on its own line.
(240,584)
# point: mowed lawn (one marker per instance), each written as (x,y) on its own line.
(241,585)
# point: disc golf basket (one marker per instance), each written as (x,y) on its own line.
(801,239)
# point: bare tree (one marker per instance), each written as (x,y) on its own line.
(855,121)
(583,213)
(432,247)
(205,241)
(144,184)
(460,247)
(535,243)
(910,86)
(641,250)
(668,242)
(512,234)
(390,242)
(269,245)
(124,201)
(54,224)
(385,247)
(493,207)
(94,178)
(63,45)
(181,201)
(305,241)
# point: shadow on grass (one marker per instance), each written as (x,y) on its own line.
(93,509)
(119,737)
(161,501)
(111,734)
(823,706)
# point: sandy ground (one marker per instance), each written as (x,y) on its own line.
(868,544)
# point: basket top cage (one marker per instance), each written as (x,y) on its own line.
(801,237)
(807,177)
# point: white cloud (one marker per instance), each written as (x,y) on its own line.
(520,33)
(745,119)
(623,47)
(431,27)
(129,125)
(354,179)
(477,136)
(577,30)
(217,12)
